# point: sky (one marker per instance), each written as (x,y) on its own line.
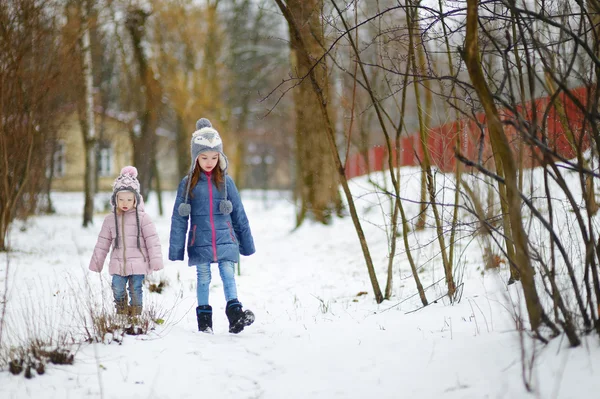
(317,334)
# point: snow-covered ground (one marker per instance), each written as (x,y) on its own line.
(315,336)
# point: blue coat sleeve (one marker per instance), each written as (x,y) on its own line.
(179,226)
(241,226)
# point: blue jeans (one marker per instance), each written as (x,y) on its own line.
(134,288)
(227,272)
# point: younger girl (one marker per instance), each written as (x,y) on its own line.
(208,200)
(136,246)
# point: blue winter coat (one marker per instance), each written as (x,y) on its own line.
(211,238)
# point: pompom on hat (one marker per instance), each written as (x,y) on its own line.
(205,139)
(127,181)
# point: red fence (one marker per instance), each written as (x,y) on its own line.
(442,139)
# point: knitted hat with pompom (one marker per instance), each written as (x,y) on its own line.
(205,139)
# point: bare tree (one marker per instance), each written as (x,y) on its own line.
(31,86)
(505,65)
(87,122)
(506,161)
(318,90)
(149,105)
(317,179)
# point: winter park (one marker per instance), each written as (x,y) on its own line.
(299,199)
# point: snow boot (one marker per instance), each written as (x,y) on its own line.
(204,316)
(238,318)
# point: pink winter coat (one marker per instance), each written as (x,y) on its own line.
(127,259)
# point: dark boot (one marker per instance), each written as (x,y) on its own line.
(238,318)
(204,316)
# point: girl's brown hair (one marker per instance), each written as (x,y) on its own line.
(218,177)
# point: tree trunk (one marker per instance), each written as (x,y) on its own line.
(158,188)
(13,186)
(144,141)
(317,178)
(33,87)
(88,127)
(415,48)
(182,147)
(502,152)
(303,54)
(49,209)
(422,218)
(458,141)
(594,13)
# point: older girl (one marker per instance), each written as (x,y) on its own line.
(209,210)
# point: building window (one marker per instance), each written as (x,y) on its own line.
(105,160)
(59,161)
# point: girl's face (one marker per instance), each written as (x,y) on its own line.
(208,160)
(125,200)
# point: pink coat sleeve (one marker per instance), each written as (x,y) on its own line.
(102,246)
(152,241)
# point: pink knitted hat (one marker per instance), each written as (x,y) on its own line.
(127,180)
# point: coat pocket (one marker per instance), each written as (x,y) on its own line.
(115,266)
(231,232)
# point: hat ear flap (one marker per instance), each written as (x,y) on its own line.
(222,161)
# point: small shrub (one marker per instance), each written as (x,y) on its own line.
(323,306)
(34,356)
(157,287)
(108,327)
(41,368)
(15,366)
(134,330)
(59,356)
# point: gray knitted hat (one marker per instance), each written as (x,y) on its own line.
(127,181)
(205,139)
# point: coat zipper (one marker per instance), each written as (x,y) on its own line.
(124,245)
(212,219)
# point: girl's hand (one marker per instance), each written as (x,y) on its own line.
(95,268)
